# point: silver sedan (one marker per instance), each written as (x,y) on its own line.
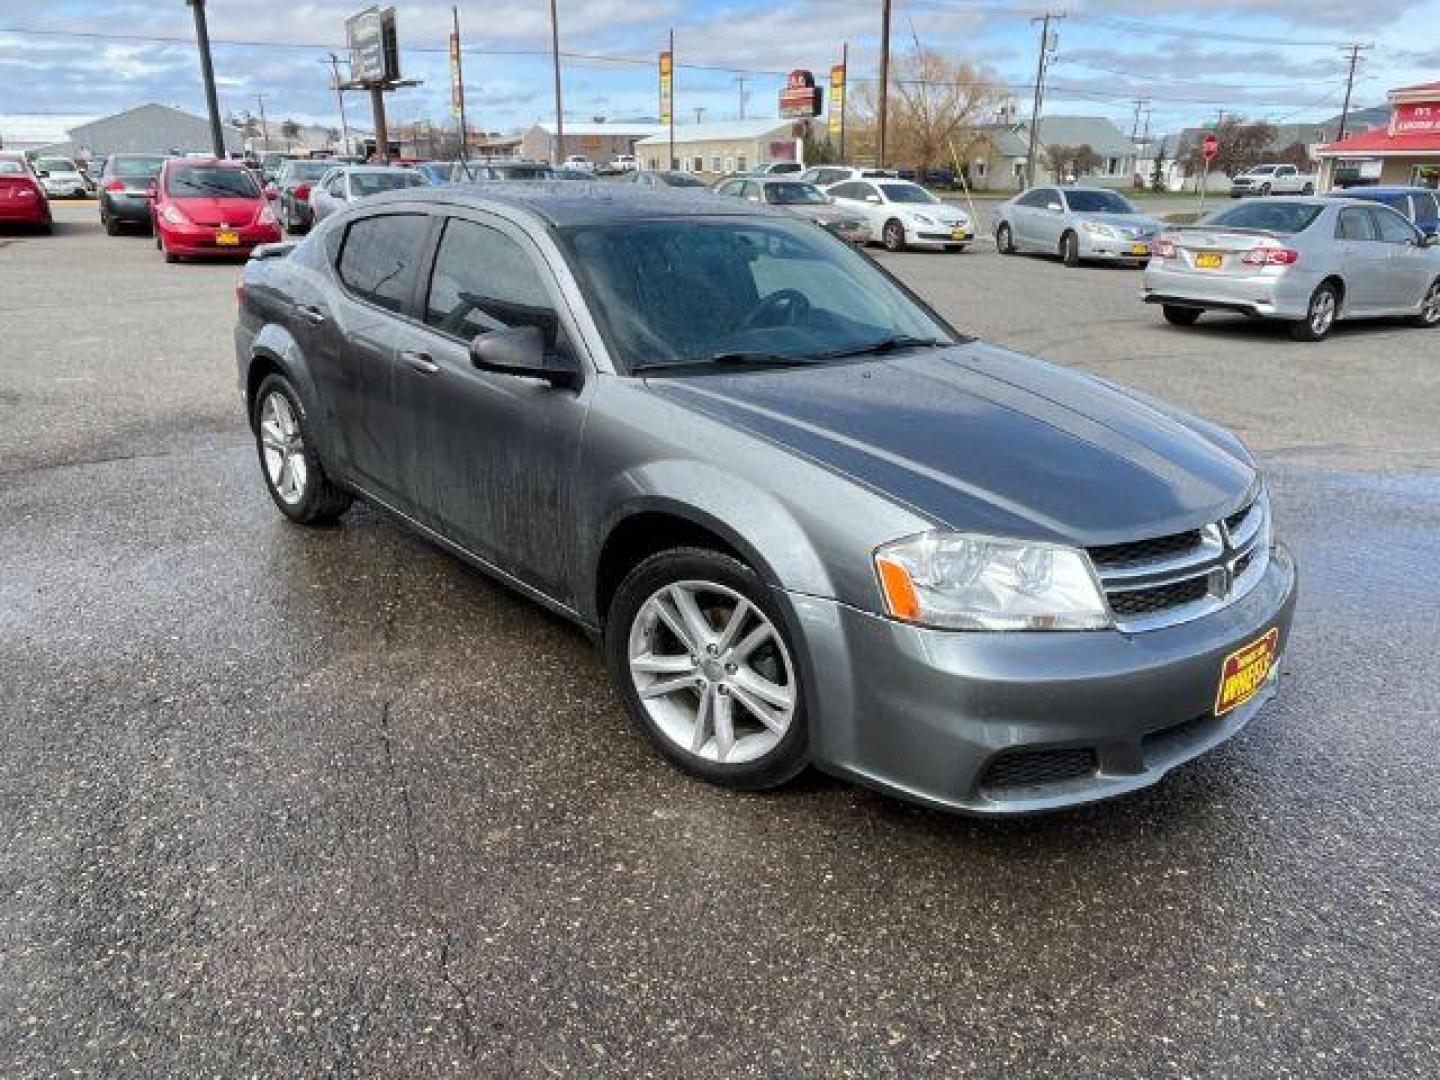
(1077,223)
(1303,260)
(340,187)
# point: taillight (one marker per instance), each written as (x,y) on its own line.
(302,191)
(1266,256)
(1164,249)
(115,185)
(267,216)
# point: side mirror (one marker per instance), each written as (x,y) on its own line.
(520,350)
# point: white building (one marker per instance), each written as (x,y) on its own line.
(23,132)
(726,146)
(598,140)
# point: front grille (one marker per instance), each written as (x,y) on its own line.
(1026,768)
(1142,551)
(1149,601)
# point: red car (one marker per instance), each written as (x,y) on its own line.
(206,207)
(22,199)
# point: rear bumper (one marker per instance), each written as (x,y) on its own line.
(1267,295)
(941,718)
(24,212)
(126,206)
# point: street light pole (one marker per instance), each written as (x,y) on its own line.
(207,73)
(884,83)
(558,150)
(340,100)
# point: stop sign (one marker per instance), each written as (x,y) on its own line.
(1211,147)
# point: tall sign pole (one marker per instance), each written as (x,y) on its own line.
(838,75)
(667,98)
(340,101)
(457,83)
(207,73)
(672,99)
(884,102)
(558,151)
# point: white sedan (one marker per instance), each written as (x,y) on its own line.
(902,214)
(340,187)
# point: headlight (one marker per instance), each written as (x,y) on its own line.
(1096,228)
(961,582)
(926,218)
(174,216)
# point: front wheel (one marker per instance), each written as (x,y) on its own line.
(293,474)
(1264,190)
(1005,239)
(700,655)
(1308,189)
(1320,316)
(1430,307)
(1070,249)
(893,235)
(1180,316)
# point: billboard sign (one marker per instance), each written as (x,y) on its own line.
(801,98)
(1421,119)
(667,87)
(837,99)
(374,47)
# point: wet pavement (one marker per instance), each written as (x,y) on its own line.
(283,802)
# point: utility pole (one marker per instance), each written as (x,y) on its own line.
(1047,49)
(1355,50)
(264,127)
(340,101)
(460,84)
(742,80)
(884,103)
(699,114)
(558,151)
(1140,104)
(844,92)
(207,73)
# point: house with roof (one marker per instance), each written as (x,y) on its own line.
(1405,150)
(598,140)
(997,158)
(725,146)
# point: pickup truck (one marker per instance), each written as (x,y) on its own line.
(1272,180)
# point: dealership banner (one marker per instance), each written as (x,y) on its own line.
(667,87)
(837,99)
(1421,119)
(457,88)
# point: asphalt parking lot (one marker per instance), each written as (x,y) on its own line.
(281,802)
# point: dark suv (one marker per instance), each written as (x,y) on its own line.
(294,183)
(124,190)
(810,521)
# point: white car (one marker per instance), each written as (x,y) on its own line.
(902,214)
(1272,180)
(579,161)
(61,178)
(624,163)
(340,187)
(825,176)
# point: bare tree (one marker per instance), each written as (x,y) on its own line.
(1242,145)
(1067,161)
(1297,154)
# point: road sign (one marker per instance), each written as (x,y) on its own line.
(667,87)
(1211,147)
(801,98)
(374,49)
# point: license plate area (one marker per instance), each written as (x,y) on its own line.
(1139,249)
(1245,670)
(1209,260)
(227,239)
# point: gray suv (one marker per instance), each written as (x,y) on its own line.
(810,522)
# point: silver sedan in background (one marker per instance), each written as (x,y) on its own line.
(1304,260)
(803,200)
(339,188)
(1076,223)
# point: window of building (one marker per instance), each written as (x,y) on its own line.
(729,164)
(980,167)
(381,257)
(1019,169)
(1112,165)
(740,165)
(699,164)
(715,163)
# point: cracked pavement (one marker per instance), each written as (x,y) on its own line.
(284,802)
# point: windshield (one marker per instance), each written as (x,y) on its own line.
(680,180)
(523,172)
(141,168)
(906,193)
(691,291)
(362,183)
(1098,202)
(11,167)
(1276,217)
(55,164)
(793,193)
(306,172)
(211,182)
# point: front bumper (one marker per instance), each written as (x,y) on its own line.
(1118,248)
(204,239)
(927,714)
(1283,293)
(939,235)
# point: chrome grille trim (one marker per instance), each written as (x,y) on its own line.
(1230,559)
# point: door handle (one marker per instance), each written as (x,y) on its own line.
(421,362)
(310,313)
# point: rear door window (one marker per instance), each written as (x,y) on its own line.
(380,260)
(1391,227)
(1355,224)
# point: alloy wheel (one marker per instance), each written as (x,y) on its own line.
(712,671)
(1322,312)
(894,236)
(1430,307)
(283,448)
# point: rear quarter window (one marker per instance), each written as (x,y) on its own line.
(380,258)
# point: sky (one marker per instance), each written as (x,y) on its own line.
(1280,60)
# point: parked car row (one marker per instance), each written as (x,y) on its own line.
(22,196)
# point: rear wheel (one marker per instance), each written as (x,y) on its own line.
(702,660)
(1320,316)
(1264,189)
(1308,189)
(293,474)
(1430,307)
(893,235)
(112,227)
(1180,316)
(1004,239)
(1070,249)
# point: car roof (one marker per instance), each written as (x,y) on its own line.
(565,203)
(1371,192)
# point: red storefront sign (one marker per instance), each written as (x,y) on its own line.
(1411,119)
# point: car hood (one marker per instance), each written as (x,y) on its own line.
(948,214)
(220,211)
(981,439)
(1137,222)
(825,214)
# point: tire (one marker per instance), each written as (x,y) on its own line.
(1070,249)
(1264,190)
(681,722)
(893,235)
(286,450)
(1180,316)
(1321,314)
(1005,239)
(956,248)
(1308,189)
(1429,316)
(112,227)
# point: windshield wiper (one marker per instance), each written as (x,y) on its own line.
(884,345)
(729,359)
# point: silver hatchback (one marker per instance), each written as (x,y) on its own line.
(1303,260)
